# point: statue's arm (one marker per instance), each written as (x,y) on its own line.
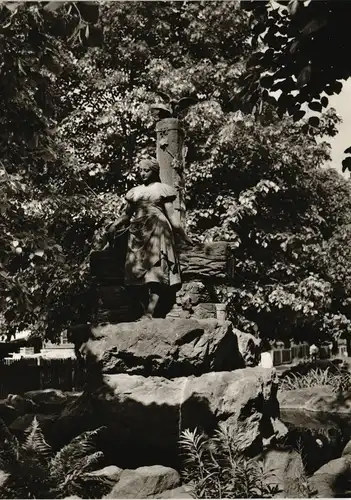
(123,219)
(177,227)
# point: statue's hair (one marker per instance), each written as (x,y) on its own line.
(152,163)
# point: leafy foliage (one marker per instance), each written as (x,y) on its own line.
(300,52)
(216,469)
(317,377)
(32,470)
(255,181)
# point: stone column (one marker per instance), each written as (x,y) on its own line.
(169,152)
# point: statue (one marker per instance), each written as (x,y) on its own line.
(151,258)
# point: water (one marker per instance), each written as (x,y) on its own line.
(318,436)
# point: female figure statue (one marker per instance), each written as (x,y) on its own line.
(151,258)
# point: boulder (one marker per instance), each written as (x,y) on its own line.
(77,417)
(162,347)
(145,416)
(315,408)
(145,482)
(21,404)
(7,412)
(183,491)
(51,400)
(347,450)
(249,347)
(111,473)
(316,399)
(284,469)
(332,479)
(108,477)
(22,423)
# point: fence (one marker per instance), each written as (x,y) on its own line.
(286,356)
(29,374)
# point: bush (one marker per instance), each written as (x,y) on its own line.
(32,470)
(216,468)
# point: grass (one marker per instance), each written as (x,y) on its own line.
(317,377)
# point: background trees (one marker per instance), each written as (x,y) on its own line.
(299,51)
(254,180)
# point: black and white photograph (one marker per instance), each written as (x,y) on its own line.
(175,249)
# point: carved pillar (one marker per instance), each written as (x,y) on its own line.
(169,152)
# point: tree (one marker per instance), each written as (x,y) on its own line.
(301,52)
(36,41)
(255,181)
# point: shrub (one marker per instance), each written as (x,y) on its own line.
(32,470)
(216,468)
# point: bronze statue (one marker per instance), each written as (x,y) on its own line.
(148,214)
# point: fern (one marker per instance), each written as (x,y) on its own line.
(31,471)
(9,446)
(81,446)
(35,441)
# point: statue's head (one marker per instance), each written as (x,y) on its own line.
(149,170)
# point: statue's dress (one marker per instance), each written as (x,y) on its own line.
(151,255)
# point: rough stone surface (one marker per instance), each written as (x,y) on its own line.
(204,311)
(249,347)
(111,475)
(164,347)
(51,400)
(145,416)
(77,417)
(284,468)
(333,479)
(145,482)
(315,399)
(22,422)
(7,412)
(111,471)
(347,450)
(315,408)
(21,404)
(180,492)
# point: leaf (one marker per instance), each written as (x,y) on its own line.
(336,87)
(20,67)
(35,441)
(294,46)
(314,121)
(297,116)
(315,106)
(313,26)
(304,76)
(348,150)
(266,82)
(293,6)
(346,164)
(325,101)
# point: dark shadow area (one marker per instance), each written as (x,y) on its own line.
(317,436)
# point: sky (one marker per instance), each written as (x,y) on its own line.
(342,105)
